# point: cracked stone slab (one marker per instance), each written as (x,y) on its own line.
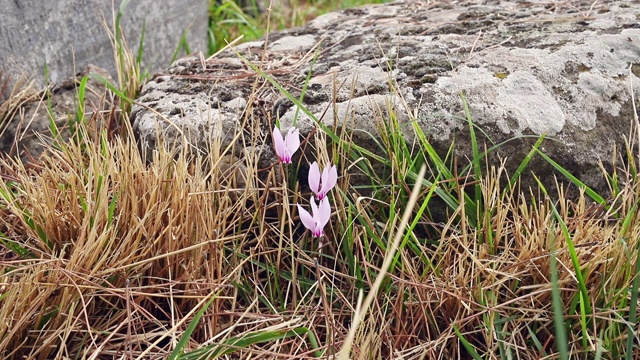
(526,69)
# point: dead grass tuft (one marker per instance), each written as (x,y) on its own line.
(104,255)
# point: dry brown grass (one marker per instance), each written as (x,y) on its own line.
(106,256)
(95,267)
(119,255)
(507,289)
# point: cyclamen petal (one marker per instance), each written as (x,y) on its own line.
(287,146)
(329,179)
(314,178)
(292,140)
(322,184)
(318,218)
(324,213)
(278,143)
(306,218)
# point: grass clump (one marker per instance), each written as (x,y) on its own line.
(105,255)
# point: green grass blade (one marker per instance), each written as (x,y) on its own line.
(444,172)
(111,87)
(536,342)
(234,344)
(80,99)
(15,247)
(184,339)
(305,85)
(313,340)
(474,354)
(412,226)
(477,167)
(182,44)
(556,299)
(585,303)
(495,147)
(112,209)
(574,260)
(141,44)
(525,162)
(583,321)
(590,192)
(118,34)
(558,314)
(599,349)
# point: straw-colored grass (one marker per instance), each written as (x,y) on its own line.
(103,255)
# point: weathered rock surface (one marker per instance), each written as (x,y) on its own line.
(526,68)
(28,130)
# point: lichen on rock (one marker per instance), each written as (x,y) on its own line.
(525,69)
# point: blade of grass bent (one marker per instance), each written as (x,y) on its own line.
(467,345)
(590,192)
(111,87)
(477,168)
(234,344)
(186,336)
(15,247)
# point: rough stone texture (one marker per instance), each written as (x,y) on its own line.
(27,132)
(526,68)
(68,35)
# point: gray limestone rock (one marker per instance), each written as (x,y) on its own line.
(525,68)
(27,132)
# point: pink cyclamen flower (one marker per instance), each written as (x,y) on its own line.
(321,184)
(285,148)
(319,219)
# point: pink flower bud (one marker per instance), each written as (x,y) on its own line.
(319,219)
(322,184)
(285,148)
